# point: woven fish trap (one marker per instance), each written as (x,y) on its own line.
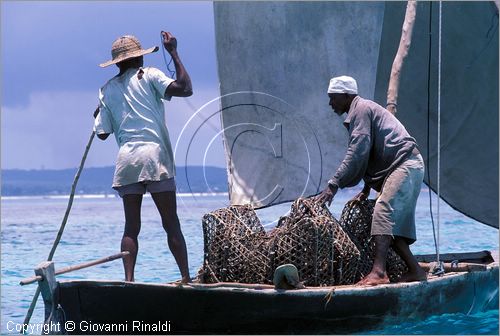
(313,240)
(235,247)
(304,207)
(322,252)
(307,207)
(356,220)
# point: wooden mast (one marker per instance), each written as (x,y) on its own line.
(397,65)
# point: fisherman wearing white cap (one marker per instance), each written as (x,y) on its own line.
(386,157)
(131,107)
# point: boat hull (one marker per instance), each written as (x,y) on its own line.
(141,308)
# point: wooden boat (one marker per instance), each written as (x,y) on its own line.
(117,307)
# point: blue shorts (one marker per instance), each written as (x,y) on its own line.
(140,188)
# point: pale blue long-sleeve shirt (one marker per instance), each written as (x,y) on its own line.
(378,143)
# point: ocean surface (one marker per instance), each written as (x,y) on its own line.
(94,229)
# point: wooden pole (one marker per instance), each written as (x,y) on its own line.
(71,196)
(61,228)
(397,65)
(227,284)
(77,267)
(456,267)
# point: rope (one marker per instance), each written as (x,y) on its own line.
(172,75)
(438,269)
(61,230)
(172,72)
(428,124)
(439,131)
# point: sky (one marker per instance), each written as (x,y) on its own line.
(50,51)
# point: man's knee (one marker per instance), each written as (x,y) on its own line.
(383,238)
(132,230)
(402,242)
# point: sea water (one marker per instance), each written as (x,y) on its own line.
(95,226)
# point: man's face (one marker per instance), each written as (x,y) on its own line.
(338,102)
(140,61)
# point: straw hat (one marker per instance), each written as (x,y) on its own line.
(126,47)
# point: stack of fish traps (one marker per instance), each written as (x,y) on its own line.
(325,251)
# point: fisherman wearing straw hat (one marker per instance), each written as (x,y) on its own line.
(386,157)
(131,107)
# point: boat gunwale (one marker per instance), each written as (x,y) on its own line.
(269,289)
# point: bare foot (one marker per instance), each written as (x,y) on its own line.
(374,279)
(418,275)
(182,281)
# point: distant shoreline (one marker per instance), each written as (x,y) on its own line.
(424,189)
(97,181)
(104,196)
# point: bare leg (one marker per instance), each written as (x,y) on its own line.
(378,274)
(167,206)
(415,272)
(132,207)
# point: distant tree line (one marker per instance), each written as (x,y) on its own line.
(16,182)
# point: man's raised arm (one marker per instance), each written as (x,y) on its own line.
(181,87)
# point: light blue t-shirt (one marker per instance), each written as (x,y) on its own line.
(131,107)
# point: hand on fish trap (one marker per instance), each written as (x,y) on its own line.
(325,251)
(356,220)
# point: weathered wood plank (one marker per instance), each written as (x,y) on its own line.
(482,257)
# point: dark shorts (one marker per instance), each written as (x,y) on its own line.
(140,188)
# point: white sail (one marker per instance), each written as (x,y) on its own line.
(275,59)
(282,140)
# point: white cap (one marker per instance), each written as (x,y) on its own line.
(343,84)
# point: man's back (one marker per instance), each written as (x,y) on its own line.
(132,109)
(133,104)
(389,141)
